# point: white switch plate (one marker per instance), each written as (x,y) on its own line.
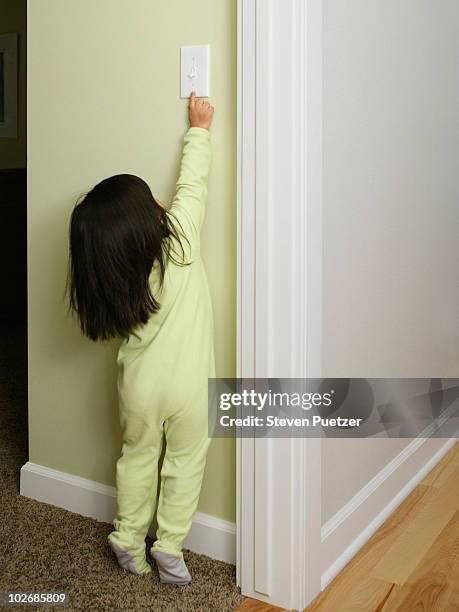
(195,71)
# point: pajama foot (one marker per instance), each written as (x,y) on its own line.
(172,569)
(127,561)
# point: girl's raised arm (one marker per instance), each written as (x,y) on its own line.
(189,202)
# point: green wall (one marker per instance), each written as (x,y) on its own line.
(103,85)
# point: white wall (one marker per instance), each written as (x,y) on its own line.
(391,213)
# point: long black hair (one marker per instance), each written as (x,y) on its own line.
(117,232)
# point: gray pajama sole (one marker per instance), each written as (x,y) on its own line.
(172,569)
(125,560)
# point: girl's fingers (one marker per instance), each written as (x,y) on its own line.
(200,105)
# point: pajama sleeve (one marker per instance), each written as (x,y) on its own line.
(188,205)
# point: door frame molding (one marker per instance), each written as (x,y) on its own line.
(279,293)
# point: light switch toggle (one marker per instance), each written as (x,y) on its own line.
(195,71)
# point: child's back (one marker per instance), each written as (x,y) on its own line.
(169,358)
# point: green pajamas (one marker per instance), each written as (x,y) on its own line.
(162,383)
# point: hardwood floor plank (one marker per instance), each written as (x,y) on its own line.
(434,584)
(392,593)
(444,470)
(379,544)
(452,599)
(412,545)
(364,594)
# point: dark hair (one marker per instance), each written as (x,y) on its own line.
(116,234)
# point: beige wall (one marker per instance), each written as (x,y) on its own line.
(391,193)
(103,99)
(13,18)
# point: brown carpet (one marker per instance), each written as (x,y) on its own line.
(47,549)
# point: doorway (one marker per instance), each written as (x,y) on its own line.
(13,220)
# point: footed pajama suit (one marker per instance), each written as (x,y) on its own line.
(162,383)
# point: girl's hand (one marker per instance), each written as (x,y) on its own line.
(200,112)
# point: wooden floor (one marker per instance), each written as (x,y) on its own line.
(411,564)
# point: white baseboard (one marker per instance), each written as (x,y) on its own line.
(209,535)
(350,517)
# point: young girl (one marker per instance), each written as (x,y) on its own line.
(136,273)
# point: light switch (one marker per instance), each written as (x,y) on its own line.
(195,71)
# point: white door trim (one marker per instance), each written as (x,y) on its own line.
(279,288)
